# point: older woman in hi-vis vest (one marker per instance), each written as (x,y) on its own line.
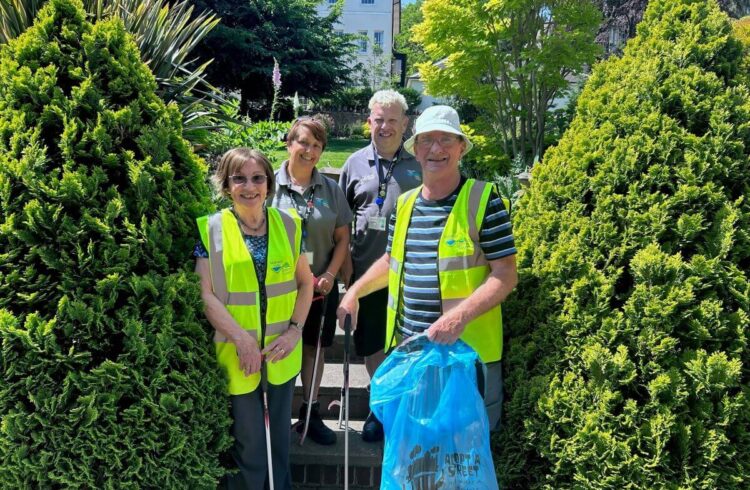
(257,288)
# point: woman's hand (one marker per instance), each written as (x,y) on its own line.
(282,346)
(248,352)
(324,283)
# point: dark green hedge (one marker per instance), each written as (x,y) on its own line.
(627,360)
(109,379)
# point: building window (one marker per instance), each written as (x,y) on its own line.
(377,39)
(368,2)
(362,41)
(331,2)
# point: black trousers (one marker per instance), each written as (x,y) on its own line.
(248,429)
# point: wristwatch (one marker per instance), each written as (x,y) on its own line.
(295,325)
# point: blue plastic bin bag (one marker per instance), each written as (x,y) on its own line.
(436,429)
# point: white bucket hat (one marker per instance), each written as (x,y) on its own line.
(438,118)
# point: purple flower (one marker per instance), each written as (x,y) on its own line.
(276,75)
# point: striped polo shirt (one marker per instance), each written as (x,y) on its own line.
(421,290)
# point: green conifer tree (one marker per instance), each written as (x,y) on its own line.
(109,379)
(627,361)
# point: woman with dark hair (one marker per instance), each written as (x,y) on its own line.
(326,216)
(256,287)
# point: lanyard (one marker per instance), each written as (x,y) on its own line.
(306,211)
(383,187)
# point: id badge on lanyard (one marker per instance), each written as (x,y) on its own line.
(305,214)
(376,223)
(379,222)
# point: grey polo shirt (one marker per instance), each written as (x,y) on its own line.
(330,211)
(360,182)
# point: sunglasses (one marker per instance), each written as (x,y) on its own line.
(258,179)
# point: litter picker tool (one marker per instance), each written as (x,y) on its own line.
(347,338)
(267,420)
(324,299)
(344,402)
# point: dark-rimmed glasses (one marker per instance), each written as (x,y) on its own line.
(445,141)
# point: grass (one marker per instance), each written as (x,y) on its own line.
(335,154)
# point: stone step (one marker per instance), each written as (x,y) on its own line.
(322,467)
(330,390)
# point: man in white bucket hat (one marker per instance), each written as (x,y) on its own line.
(450,260)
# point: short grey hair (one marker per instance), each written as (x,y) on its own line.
(386,98)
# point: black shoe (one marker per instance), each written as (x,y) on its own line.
(372,431)
(317,431)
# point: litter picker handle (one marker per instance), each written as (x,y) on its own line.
(263,377)
(347,333)
(345,397)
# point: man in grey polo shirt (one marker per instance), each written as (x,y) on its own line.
(372,179)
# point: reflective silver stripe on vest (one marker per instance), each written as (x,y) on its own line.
(220,337)
(449,304)
(218,275)
(281,288)
(277,328)
(392,302)
(291,231)
(216,256)
(475,197)
(394,264)
(242,299)
(450,264)
(453,263)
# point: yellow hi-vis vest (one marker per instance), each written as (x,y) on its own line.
(235,284)
(462,266)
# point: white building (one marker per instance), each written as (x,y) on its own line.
(378,22)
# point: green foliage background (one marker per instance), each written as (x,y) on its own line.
(109,378)
(627,360)
(266,136)
(313,58)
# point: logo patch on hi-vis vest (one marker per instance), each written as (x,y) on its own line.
(458,243)
(280,266)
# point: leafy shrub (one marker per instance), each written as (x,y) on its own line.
(354,130)
(328,122)
(486,159)
(109,377)
(741,28)
(266,136)
(166,33)
(412,96)
(347,99)
(627,360)
(508,185)
(366,130)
